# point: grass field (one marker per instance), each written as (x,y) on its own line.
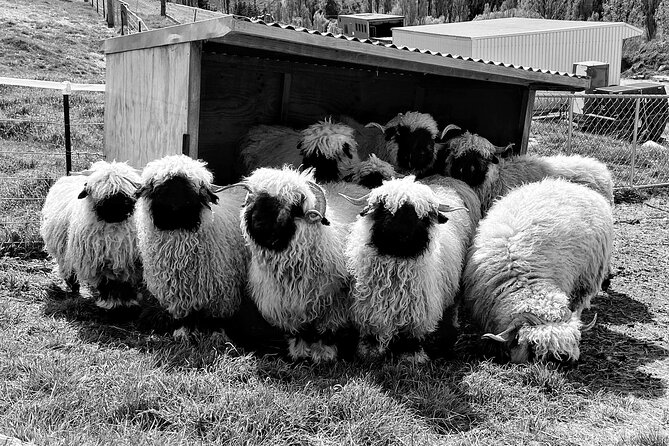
(71,373)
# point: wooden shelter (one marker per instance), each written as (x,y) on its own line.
(197,88)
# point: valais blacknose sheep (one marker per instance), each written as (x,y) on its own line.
(406,253)
(407,141)
(474,160)
(195,258)
(297,273)
(88,228)
(329,147)
(537,259)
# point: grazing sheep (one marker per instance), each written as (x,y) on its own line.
(297,272)
(329,147)
(407,141)
(536,261)
(406,257)
(474,160)
(195,258)
(88,228)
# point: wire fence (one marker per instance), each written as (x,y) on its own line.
(628,132)
(44,133)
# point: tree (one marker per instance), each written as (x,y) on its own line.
(548,9)
(331,9)
(649,8)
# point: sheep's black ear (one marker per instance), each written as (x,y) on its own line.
(208,195)
(325,221)
(390,133)
(83,194)
(347,150)
(441,218)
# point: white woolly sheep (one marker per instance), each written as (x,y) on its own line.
(407,141)
(473,159)
(88,228)
(195,258)
(329,147)
(406,259)
(537,260)
(297,273)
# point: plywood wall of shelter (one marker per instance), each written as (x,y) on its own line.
(240,89)
(151,101)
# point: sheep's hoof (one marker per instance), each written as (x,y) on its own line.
(106,304)
(416,358)
(322,352)
(298,349)
(370,350)
(72,283)
(181,334)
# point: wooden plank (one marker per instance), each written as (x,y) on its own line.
(527,110)
(146,103)
(194,81)
(204,30)
(285,96)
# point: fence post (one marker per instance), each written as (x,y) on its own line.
(66,119)
(634,138)
(110,13)
(163,8)
(571,121)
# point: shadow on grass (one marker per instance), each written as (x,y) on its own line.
(612,361)
(618,308)
(149,329)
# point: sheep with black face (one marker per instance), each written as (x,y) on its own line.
(88,228)
(476,161)
(407,141)
(297,272)
(406,253)
(195,258)
(537,260)
(329,147)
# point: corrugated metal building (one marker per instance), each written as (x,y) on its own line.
(547,44)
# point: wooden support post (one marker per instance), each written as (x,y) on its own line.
(185,146)
(163,8)
(110,13)
(66,120)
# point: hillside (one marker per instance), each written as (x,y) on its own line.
(52,40)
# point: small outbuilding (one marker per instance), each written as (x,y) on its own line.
(369,25)
(540,43)
(197,88)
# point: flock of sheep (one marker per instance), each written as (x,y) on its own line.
(391,230)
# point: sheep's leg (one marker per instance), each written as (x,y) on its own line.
(409,348)
(72,283)
(370,348)
(309,343)
(115,293)
(199,321)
